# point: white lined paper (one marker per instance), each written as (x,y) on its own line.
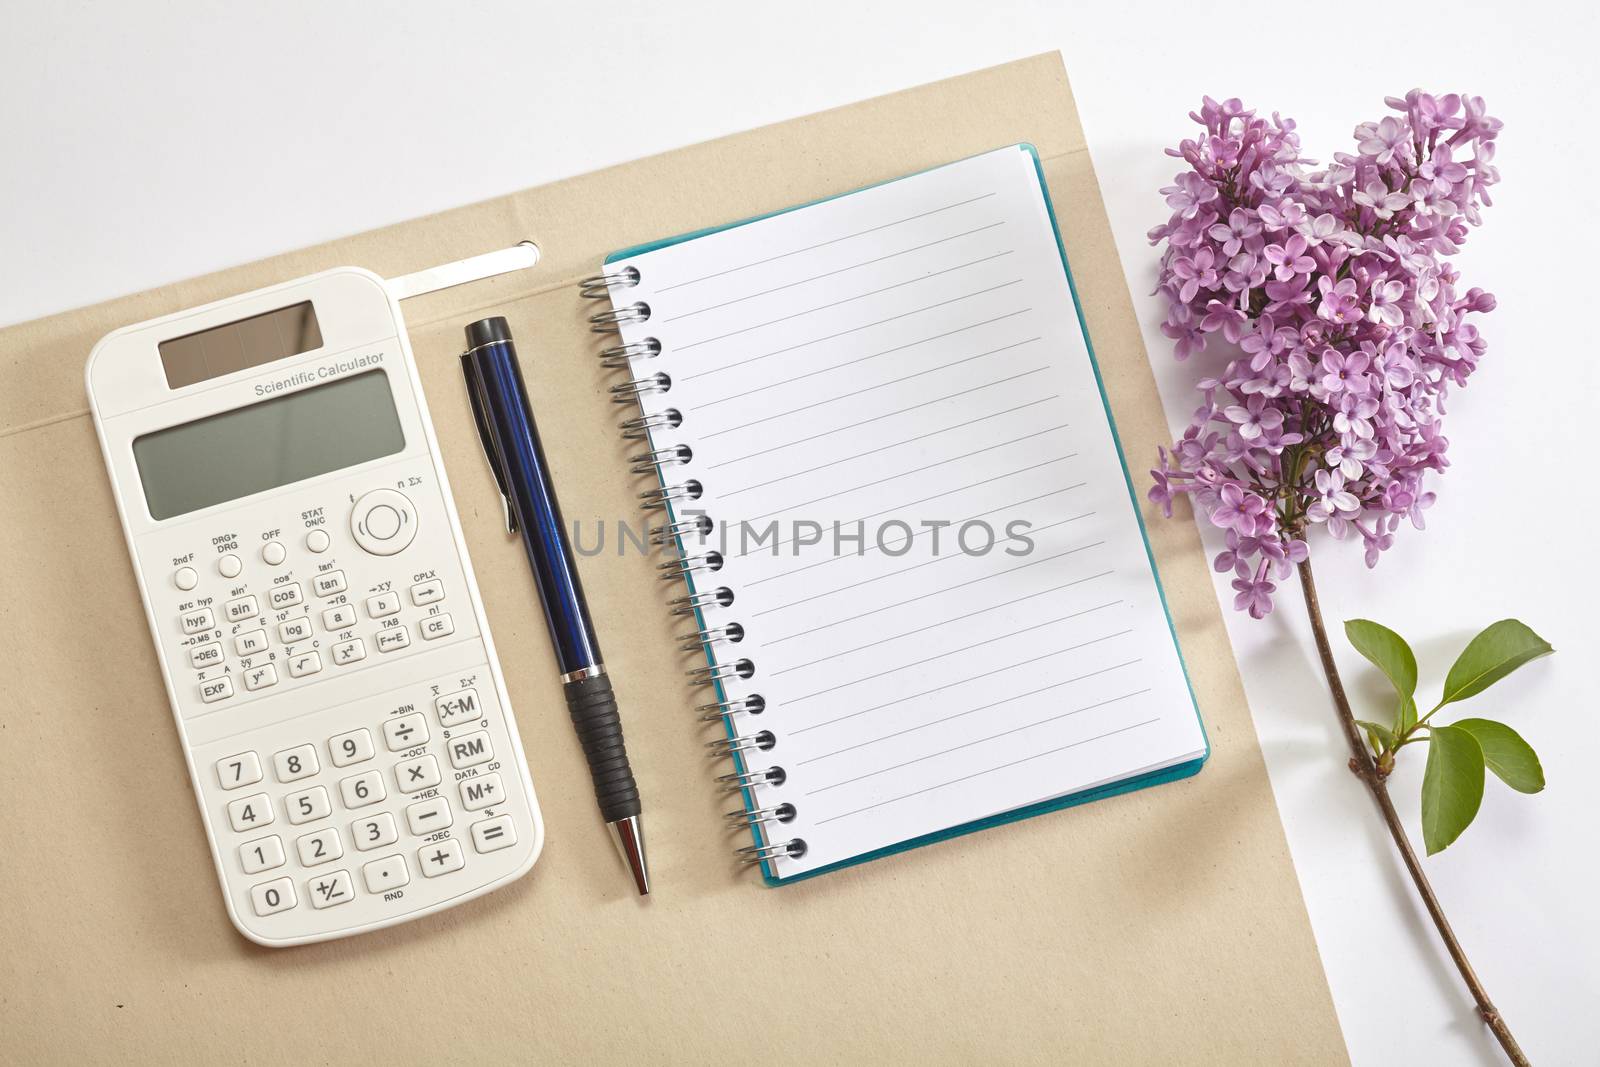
(911,354)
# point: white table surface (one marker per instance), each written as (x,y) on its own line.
(148,143)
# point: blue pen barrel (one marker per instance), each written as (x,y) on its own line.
(507,419)
(516,458)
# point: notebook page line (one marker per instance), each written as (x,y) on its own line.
(957,748)
(824,244)
(989,770)
(829,274)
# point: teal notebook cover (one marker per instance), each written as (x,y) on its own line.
(1127,785)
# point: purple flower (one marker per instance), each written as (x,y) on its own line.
(1290,257)
(1343,319)
(1233,233)
(1190,194)
(1238,509)
(1254,419)
(1254,594)
(1442,170)
(1385,306)
(1382,201)
(1343,371)
(1379,141)
(1196,273)
(1340,300)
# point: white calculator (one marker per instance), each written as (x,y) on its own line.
(324,645)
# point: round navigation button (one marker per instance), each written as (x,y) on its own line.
(384,522)
(317,540)
(273,552)
(185,578)
(229,566)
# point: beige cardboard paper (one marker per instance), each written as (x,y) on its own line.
(1165,925)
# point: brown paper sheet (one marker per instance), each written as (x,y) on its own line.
(1165,925)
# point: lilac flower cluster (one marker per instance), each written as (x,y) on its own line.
(1333,294)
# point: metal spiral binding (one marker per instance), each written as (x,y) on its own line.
(727,746)
(721,597)
(723,710)
(758,816)
(732,632)
(620,357)
(687,533)
(793,848)
(638,429)
(599,286)
(671,533)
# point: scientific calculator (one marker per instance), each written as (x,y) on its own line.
(321,635)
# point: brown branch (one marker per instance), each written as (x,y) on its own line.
(1364,768)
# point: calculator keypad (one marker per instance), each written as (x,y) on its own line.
(269,636)
(386,811)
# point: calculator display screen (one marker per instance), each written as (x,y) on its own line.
(275,442)
(235,346)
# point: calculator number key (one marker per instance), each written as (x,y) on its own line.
(271,897)
(362,789)
(330,889)
(320,847)
(235,771)
(404,732)
(262,854)
(353,747)
(307,806)
(293,764)
(247,813)
(374,832)
(470,750)
(441,857)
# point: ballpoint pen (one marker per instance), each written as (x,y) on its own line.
(516,458)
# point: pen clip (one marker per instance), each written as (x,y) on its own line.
(480,417)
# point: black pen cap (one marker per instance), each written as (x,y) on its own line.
(487,332)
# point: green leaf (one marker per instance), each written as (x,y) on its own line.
(1382,740)
(1452,786)
(1388,651)
(1489,657)
(1406,716)
(1511,758)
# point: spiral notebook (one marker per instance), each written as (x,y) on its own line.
(886,471)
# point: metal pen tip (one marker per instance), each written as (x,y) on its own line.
(629,837)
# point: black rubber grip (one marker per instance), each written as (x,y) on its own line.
(594,713)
